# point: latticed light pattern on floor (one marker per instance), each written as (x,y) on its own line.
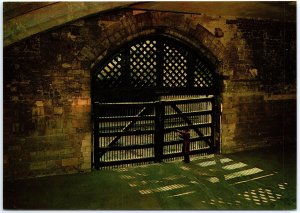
(243,173)
(191,183)
(155,63)
(262,196)
(234,166)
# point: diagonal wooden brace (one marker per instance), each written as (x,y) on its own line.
(127,127)
(185,118)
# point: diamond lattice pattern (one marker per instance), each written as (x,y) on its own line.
(110,75)
(139,67)
(203,76)
(174,67)
(143,62)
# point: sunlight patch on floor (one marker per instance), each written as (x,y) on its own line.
(225,160)
(220,201)
(163,188)
(181,194)
(203,157)
(218,170)
(138,183)
(243,173)
(143,182)
(141,174)
(282,185)
(207,163)
(234,166)
(121,170)
(186,168)
(127,177)
(173,177)
(213,180)
(256,178)
(261,196)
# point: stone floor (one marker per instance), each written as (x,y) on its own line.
(258,179)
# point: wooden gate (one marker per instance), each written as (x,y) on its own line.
(195,113)
(124,133)
(146,91)
(135,132)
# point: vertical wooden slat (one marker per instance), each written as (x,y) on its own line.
(159,130)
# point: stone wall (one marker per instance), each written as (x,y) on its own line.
(47,97)
(259,96)
(46,108)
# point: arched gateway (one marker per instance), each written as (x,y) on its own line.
(143,93)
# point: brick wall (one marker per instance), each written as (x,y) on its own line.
(47,105)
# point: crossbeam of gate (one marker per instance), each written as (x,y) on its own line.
(126,133)
(195,114)
(132,121)
(191,126)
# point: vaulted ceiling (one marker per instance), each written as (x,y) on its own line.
(23,19)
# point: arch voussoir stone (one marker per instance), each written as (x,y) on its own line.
(175,25)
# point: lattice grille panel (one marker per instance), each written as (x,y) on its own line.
(110,75)
(143,61)
(203,76)
(155,63)
(174,67)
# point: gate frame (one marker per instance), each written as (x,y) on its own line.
(215,91)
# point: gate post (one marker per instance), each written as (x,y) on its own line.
(96,142)
(159,131)
(213,127)
(217,121)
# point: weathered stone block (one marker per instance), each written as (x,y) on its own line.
(70,162)
(58,110)
(80,109)
(86,152)
(66,151)
(87,52)
(229,118)
(86,143)
(83,101)
(66,65)
(39,103)
(38,111)
(38,165)
(86,166)
(51,164)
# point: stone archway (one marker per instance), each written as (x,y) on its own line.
(146,69)
(173,25)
